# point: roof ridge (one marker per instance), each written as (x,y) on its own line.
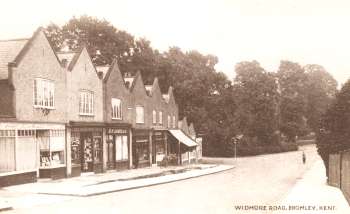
(13,40)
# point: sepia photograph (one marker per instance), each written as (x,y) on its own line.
(175,107)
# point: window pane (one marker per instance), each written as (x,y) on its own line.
(125,148)
(139,114)
(118,147)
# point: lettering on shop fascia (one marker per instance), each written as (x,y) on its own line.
(117,131)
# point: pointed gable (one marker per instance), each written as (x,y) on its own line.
(191,131)
(137,85)
(183,125)
(156,89)
(39,32)
(171,96)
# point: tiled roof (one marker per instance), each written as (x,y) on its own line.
(9,49)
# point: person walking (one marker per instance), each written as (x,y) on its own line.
(304,157)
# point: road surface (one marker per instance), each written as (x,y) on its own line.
(260,180)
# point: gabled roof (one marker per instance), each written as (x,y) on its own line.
(13,51)
(183,125)
(26,47)
(191,130)
(9,50)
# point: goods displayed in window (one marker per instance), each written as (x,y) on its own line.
(52,144)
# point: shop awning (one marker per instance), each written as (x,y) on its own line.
(180,136)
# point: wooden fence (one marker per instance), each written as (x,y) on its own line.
(339,172)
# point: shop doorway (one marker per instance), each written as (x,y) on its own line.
(86,142)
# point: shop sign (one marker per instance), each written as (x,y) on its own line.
(117,131)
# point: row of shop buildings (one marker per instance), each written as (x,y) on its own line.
(61,116)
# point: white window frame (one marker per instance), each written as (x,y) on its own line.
(117,112)
(154,117)
(169,121)
(86,103)
(160,118)
(44,93)
(140,119)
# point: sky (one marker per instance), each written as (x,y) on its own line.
(303,31)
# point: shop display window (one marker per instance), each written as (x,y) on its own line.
(75,147)
(143,151)
(160,147)
(97,149)
(121,143)
(48,159)
(51,144)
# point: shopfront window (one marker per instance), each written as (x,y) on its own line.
(7,150)
(75,145)
(121,143)
(52,146)
(97,147)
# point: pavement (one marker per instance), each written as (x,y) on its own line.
(312,195)
(56,191)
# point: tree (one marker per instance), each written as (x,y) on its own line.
(334,133)
(256,93)
(292,86)
(104,43)
(321,89)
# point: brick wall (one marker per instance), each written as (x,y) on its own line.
(114,87)
(140,98)
(6,99)
(83,76)
(39,62)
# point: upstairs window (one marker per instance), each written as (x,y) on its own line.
(86,104)
(160,118)
(116,109)
(169,122)
(140,114)
(44,93)
(174,122)
(154,116)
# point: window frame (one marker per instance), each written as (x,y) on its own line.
(88,103)
(120,110)
(154,116)
(143,116)
(42,96)
(160,117)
